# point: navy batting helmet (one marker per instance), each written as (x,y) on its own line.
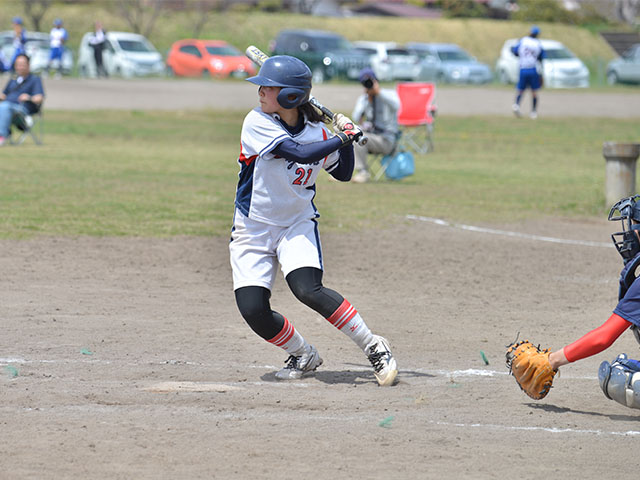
(627,211)
(287,72)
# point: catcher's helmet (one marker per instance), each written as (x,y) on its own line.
(627,211)
(287,72)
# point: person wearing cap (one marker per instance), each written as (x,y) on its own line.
(19,39)
(530,53)
(376,111)
(22,95)
(57,38)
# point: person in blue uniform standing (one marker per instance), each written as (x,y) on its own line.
(530,53)
(19,40)
(57,39)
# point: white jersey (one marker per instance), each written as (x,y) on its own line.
(272,189)
(57,36)
(529,50)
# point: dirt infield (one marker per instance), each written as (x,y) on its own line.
(127,359)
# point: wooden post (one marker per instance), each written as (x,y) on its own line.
(621,161)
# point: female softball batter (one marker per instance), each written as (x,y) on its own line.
(283,146)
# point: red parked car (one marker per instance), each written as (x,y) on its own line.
(215,58)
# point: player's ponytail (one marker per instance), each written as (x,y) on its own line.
(311,113)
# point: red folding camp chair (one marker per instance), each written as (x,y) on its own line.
(416,116)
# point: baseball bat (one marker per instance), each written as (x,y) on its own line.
(258,57)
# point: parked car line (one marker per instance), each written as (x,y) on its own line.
(625,68)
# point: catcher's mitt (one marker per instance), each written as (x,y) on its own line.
(531,368)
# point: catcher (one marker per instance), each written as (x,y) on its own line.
(535,368)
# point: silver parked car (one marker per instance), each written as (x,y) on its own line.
(390,61)
(37,48)
(561,68)
(625,68)
(449,63)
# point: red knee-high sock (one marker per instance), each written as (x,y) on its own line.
(348,321)
(289,339)
(597,340)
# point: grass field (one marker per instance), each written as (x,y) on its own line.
(165,174)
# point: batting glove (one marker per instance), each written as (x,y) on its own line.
(342,123)
(349,136)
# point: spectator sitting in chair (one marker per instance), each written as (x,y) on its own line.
(23,95)
(377,113)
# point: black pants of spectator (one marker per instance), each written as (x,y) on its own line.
(97,56)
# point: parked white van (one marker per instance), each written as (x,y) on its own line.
(125,54)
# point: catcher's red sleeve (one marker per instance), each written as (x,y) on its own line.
(597,340)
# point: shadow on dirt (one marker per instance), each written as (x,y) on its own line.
(349,377)
(556,409)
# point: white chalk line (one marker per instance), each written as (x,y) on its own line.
(320,417)
(506,233)
(490,426)
(469,372)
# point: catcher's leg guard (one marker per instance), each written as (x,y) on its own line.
(620,381)
(604,374)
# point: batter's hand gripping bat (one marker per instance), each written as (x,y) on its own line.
(258,56)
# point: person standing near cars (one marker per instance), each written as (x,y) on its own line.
(529,52)
(98,42)
(19,40)
(57,38)
(376,111)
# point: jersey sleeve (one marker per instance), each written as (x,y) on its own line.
(260,134)
(629,306)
